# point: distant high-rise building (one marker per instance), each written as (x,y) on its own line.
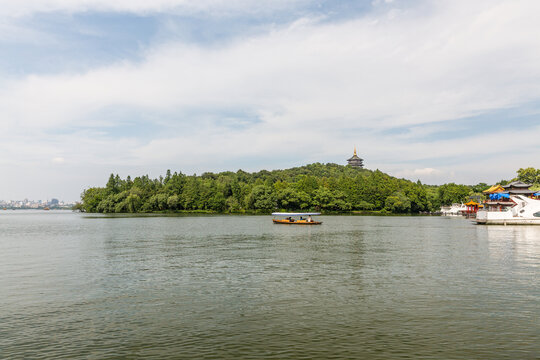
(355,161)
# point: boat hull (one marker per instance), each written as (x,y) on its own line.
(515,221)
(297,222)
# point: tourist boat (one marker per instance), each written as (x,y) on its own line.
(525,212)
(453,210)
(296,218)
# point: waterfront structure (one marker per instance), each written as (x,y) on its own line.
(497,199)
(518,188)
(472,208)
(469,209)
(355,161)
(500,198)
(526,211)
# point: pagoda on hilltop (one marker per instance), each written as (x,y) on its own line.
(355,161)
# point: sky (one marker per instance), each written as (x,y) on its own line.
(440,91)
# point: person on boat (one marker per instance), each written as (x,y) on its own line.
(309,219)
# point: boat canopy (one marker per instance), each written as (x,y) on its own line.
(294,214)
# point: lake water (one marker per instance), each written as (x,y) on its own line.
(231,287)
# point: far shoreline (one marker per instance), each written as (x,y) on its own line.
(213,213)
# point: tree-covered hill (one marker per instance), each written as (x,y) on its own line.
(324,187)
(321,187)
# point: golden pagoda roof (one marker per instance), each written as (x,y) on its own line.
(494,189)
(472,203)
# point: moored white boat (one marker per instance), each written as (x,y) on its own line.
(525,212)
(453,210)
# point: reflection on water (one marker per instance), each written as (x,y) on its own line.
(520,244)
(242,287)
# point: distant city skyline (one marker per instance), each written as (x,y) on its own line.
(436,91)
(33,204)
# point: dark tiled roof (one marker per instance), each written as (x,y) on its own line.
(518,192)
(516,184)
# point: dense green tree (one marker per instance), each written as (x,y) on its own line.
(453,193)
(232,204)
(291,199)
(90,199)
(261,198)
(529,175)
(217,202)
(168,176)
(173,202)
(325,199)
(114,184)
(418,198)
(190,194)
(398,203)
(478,188)
(306,184)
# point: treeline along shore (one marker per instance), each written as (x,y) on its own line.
(319,187)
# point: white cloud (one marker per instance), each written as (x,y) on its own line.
(315,88)
(405,71)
